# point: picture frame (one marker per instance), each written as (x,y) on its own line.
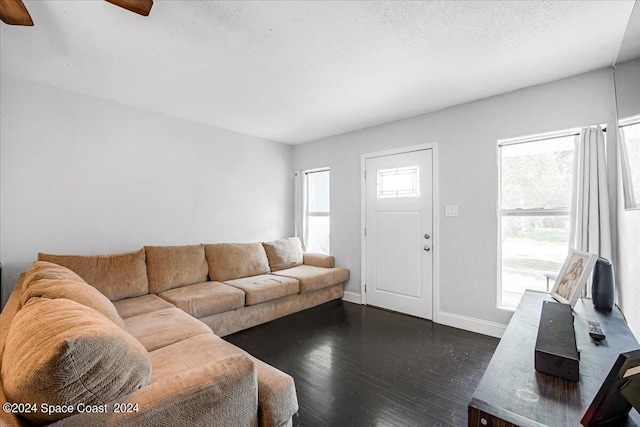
(618,393)
(573,276)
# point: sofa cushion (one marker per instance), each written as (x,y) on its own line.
(117,276)
(48,270)
(79,292)
(164,327)
(174,266)
(60,352)
(284,253)
(173,359)
(312,278)
(228,261)
(222,393)
(265,287)
(140,305)
(277,400)
(205,299)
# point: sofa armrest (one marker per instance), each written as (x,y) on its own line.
(8,419)
(221,393)
(8,313)
(318,260)
(277,398)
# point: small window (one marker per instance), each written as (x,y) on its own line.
(317,223)
(630,159)
(534,213)
(399,182)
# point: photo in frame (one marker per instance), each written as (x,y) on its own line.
(573,276)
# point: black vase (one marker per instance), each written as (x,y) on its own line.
(602,287)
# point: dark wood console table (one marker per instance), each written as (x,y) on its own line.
(512,392)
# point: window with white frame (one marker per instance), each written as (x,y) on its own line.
(536,176)
(630,160)
(317,211)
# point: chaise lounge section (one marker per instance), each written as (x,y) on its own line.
(143,329)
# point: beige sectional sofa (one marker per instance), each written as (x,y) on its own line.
(134,339)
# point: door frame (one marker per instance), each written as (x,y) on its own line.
(435,279)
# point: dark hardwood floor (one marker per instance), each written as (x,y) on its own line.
(361,366)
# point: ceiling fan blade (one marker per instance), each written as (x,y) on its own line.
(141,7)
(14,12)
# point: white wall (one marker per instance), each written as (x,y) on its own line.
(467,136)
(627,76)
(84,175)
(89,176)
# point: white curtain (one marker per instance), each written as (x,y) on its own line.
(625,170)
(590,218)
(299,214)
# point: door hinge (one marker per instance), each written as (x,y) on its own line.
(365,231)
(365,287)
(365,174)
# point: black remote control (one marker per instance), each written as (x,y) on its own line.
(595,331)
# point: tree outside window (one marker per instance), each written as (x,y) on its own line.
(535,202)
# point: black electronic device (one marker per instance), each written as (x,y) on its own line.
(602,285)
(556,352)
(619,391)
(595,330)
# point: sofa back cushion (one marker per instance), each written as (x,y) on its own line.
(171,267)
(60,352)
(79,292)
(228,261)
(47,270)
(117,276)
(284,253)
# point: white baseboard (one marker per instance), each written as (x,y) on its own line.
(472,324)
(352,297)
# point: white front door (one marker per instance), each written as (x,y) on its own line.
(398,232)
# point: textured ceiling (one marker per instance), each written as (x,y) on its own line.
(299,71)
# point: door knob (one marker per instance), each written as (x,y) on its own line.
(426,236)
(427,248)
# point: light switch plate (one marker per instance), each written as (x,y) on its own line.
(451,210)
